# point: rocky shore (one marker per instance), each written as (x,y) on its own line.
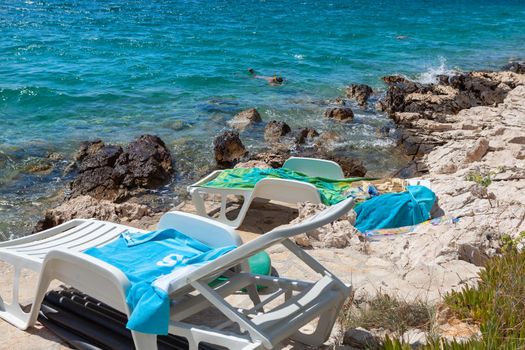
(465,133)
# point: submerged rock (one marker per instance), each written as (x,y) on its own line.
(275,129)
(339,113)
(245,119)
(109,171)
(38,166)
(359,92)
(516,67)
(305,134)
(145,162)
(228,148)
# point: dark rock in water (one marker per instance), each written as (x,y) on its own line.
(275,130)
(228,148)
(359,92)
(443,79)
(109,172)
(88,148)
(516,67)
(398,89)
(245,118)
(339,101)
(54,156)
(395,79)
(351,167)
(105,156)
(145,162)
(339,113)
(305,134)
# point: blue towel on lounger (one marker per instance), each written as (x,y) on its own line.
(149,260)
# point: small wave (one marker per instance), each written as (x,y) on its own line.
(432,73)
(299,57)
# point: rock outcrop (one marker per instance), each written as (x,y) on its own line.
(90,208)
(359,92)
(275,129)
(228,148)
(110,171)
(477,172)
(428,113)
(339,113)
(450,95)
(244,119)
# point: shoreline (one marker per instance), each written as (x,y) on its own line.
(474,158)
(48,166)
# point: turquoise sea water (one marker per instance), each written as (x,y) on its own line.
(77,70)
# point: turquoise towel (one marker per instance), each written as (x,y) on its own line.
(146,257)
(393,210)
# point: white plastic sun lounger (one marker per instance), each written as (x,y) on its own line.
(56,254)
(282,190)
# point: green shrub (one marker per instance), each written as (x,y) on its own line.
(498,303)
(482,179)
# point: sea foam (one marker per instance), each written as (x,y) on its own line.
(430,76)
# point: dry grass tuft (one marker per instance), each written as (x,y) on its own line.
(388,313)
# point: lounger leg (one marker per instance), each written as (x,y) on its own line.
(144,341)
(322,331)
(198,202)
(13,312)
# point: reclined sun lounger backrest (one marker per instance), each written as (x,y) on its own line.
(315,167)
(208,231)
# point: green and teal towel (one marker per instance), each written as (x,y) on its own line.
(331,191)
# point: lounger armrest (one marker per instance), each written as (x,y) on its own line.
(278,234)
(204,180)
(315,167)
(91,275)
